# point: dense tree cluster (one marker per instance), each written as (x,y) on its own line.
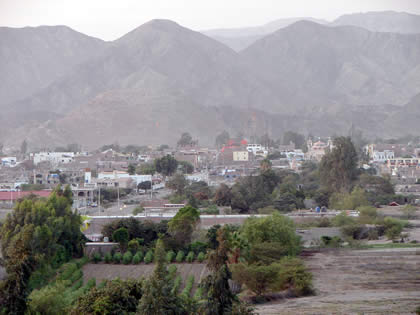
(36,234)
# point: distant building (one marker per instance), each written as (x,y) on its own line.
(257,150)
(382,156)
(240,156)
(54,158)
(318,149)
(9,198)
(8,161)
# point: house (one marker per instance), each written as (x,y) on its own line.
(382,156)
(54,158)
(318,149)
(8,161)
(9,198)
(257,150)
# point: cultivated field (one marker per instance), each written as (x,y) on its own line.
(385,281)
(109,271)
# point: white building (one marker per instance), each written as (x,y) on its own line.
(241,156)
(54,158)
(383,156)
(120,174)
(257,149)
(9,161)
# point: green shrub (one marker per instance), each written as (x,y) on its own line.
(188,286)
(180,256)
(170,256)
(201,256)
(342,219)
(138,210)
(137,258)
(127,258)
(90,284)
(393,227)
(190,257)
(108,258)
(172,270)
(76,275)
(198,293)
(117,258)
(133,246)
(67,271)
(177,285)
(96,258)
(149,257)
(77,285)
(82,261)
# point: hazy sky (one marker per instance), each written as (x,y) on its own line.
(109,19)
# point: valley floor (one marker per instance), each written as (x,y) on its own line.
(374,281)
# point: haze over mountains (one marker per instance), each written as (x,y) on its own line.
(162,79)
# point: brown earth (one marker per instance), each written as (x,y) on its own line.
(385,281)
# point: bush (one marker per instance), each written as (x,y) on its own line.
(197,247)
(367,214)
(177,285)
(149,257)
(117,258)
(188,286)
(138,257)
(201,257)
(172,270)
(127,258)
(133,246)
(76,275)
(190,257)
(170,256)
(138,210)
(333,242)
(393,227)
(180,256)
(342,219)
(108,258)
(121,236)
(97,258)
(67,271)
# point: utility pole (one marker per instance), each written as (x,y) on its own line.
(118,194)
(99,198)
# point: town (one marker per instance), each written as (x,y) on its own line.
(209,157)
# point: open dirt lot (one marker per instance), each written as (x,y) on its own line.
(385,281)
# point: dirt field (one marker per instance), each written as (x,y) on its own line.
(383,281)
(109,271)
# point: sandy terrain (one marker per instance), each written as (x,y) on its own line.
(383,281)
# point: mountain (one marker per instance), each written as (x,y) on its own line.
(31,58)
(158,56)
(387,21)
(240,38)
(162,79)
(321,66)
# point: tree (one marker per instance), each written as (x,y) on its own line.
(158,297)
(338,169)
(296,138)
(178,182)
(222,138)
(115,297)
(218,298)
(166,165)
(24,147)
(265,165)
(145,185)
(409,212)
(185,140)
(121,236)
(146,169)
(275,228)
(185,167)
(131,169)
(258,278)
(183,224)
(223,195)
